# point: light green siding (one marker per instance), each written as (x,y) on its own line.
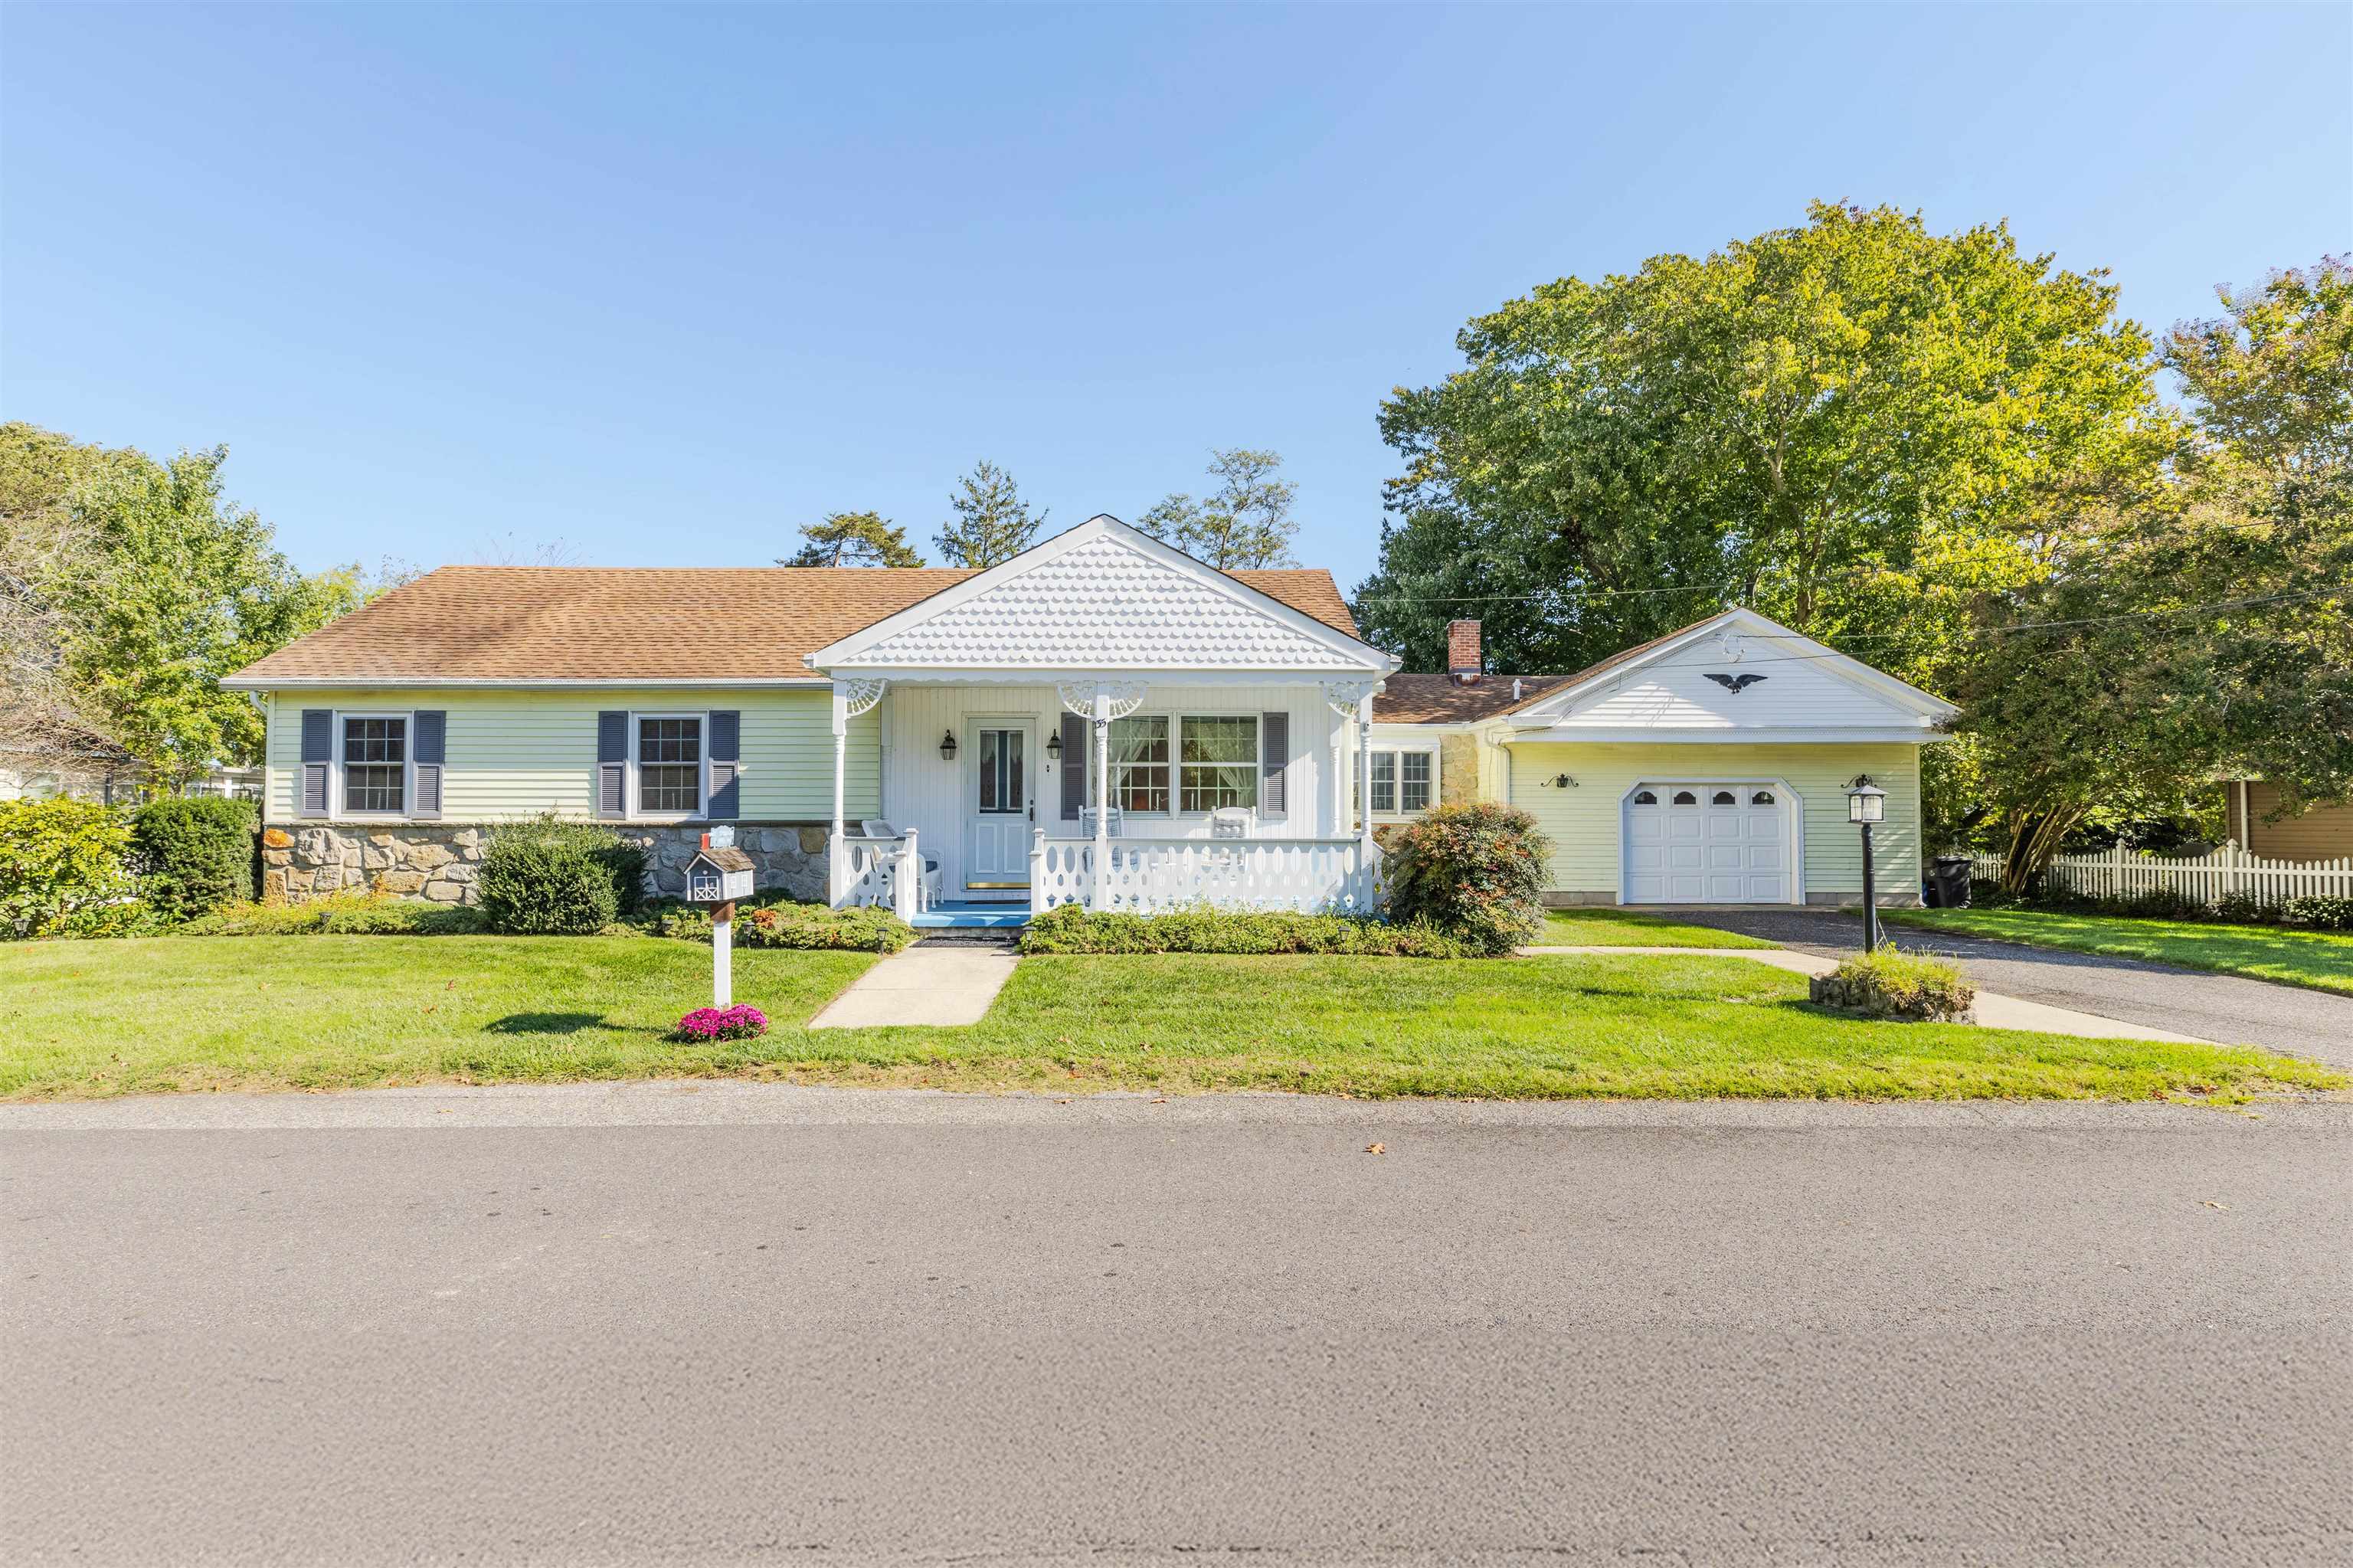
(520,753)
(1584,822)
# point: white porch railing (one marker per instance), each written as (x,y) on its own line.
(2119,873)
(884,871)
(1154,876)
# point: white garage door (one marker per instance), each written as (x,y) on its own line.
(1708,844)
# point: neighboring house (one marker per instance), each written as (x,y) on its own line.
(70,764)
(1710,766)
(2316,833)
(1229,719)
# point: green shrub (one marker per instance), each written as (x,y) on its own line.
(785,924)
(194,856)
(121,917)
(1889,984)
(552,878)
(1475,871)
(2240,908)
(339,915)
(2320,912)
(59,856)
(1073,929)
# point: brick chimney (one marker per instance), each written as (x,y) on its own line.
(1462,658)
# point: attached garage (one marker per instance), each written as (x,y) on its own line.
(1710,841)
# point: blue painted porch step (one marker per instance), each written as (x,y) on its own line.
(960,916)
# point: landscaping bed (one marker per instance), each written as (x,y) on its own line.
(327,1011)
(2320,960)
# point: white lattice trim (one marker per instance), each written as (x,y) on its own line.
(1342,697)
(858,694)
(1079,696)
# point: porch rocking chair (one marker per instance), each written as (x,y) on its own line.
(928,884)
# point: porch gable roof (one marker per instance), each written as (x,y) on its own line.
(1104,597)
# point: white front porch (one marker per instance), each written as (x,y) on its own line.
(1227,792)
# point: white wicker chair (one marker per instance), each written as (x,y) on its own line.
(929,886)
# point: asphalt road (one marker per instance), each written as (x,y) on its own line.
(2318,1025)
(756,1325)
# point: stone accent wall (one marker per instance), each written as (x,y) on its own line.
(1458,769)
(438,861)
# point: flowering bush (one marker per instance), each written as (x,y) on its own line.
(741,1021)
(1475,871)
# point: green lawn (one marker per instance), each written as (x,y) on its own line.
(2322,959)
(1613,927)
(102,1017)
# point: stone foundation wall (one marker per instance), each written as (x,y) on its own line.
(438,861)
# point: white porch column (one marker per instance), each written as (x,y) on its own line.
(851,697)
(1365,771)
(1102,728)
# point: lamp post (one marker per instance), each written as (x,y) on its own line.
(1867,803)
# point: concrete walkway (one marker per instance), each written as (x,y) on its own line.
(931,982)
(1994,1009)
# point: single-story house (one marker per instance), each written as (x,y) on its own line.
(944,741)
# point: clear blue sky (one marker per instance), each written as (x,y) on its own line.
(668,283)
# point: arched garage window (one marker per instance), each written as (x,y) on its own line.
(1646,799)
(1723,798)
(1762,797)
(1686,798)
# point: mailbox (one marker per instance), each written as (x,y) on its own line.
(718,875)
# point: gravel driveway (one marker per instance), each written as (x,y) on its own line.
(2314,1025)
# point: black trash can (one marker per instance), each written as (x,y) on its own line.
(1948,883)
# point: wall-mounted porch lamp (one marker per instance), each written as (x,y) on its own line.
(1054,745)
(948,747)
(1867,803)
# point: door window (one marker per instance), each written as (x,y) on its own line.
(1000,772)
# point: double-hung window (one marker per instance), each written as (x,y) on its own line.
(1219,762)
(375,766)
(669,766)
(1403,782)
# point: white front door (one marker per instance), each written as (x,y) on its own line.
(1708,843)
(1000,788)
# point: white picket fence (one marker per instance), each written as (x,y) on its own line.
(2119,873)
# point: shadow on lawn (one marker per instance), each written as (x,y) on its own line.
(545,1022)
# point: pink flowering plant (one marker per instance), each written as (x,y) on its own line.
(741,1021)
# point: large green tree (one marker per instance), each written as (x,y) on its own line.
(188,590)
(1857,427)
(2196,621)
(131,589)
(1245,522)
(991,523)
(853,540)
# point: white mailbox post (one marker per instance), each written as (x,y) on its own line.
(720,874)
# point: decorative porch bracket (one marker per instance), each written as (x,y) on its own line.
(1102,701)
(853,695)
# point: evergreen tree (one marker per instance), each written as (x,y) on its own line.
(991,523)
(853,540)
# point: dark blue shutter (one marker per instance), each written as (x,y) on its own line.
(1273,757)
(726,765)
(428,748)
(1074,766)
(318,750)
(612,764)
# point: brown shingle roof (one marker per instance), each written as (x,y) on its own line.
(644,623)
(1437,699)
